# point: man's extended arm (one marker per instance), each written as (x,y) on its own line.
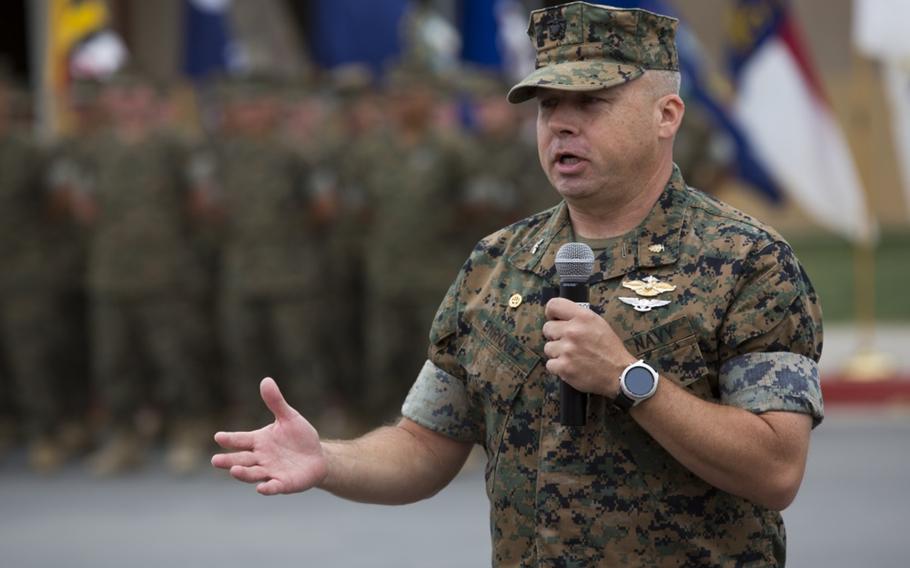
(391,465)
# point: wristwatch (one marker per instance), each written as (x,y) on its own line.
(637,383)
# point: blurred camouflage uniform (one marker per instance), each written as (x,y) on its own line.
(145,278)
(39,268)
(743,328)
(66,173)
(416,200)
(272,265)
(702,154)
(350,160)
(505,182)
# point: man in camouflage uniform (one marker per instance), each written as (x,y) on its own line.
(414,186)
(696,472)
(271,251)
(36,248)
(504,180)
(356,138)
(144,277)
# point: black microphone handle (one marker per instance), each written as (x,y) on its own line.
(573,404)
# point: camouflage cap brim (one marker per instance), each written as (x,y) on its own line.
(575,76)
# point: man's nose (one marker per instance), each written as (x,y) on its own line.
(564,121)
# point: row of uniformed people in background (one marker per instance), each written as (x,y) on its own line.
(150,278)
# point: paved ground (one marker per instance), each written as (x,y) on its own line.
(852,511)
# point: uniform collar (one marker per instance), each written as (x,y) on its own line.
(655,242)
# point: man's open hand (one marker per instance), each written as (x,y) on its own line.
(283,457)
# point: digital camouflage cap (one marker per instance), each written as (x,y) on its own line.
(586,47)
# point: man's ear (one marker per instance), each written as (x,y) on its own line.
(671,109)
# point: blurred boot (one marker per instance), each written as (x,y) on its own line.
(46,455)
(124,451)
(188,447)
(74,437)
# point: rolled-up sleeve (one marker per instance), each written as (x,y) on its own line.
(778,381)
(440,402)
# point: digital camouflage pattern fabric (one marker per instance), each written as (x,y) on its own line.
(586,47)
(743,327)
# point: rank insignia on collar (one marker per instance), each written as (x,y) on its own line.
(644,305)
(650,286)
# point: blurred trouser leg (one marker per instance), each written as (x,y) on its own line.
(7,411)
(172,329)
(296,332)
(33,339)
(74,362)
(117,377)
(344,327)
(398,328)
(244,336)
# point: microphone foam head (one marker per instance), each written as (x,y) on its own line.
(574,262)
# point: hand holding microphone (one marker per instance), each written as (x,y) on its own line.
(582,348)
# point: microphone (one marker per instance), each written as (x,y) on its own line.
(574,264)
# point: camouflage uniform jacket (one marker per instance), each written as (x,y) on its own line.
(743,328)
(415,194)
(140,242)
(34,247)
(271,243)
(505,181)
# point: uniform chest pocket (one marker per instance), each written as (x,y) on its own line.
(672,349)
(496,366)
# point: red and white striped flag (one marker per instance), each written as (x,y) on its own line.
(782,107)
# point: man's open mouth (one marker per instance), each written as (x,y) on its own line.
(567,159)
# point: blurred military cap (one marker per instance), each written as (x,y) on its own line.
(129,76)
(481,82)
(586,47)
(352,79)
(241,88)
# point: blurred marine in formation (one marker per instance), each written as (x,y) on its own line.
(144,277)
(416,203)
(272,221)
(39,261)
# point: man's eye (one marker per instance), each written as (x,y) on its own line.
(547,103)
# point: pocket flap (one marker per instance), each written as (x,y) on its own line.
(672,349)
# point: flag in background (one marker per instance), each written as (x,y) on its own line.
(880,32)
(783,109)
(699,89)
(80,44)
(349,31)
(207,44)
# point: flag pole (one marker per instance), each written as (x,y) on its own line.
(41,79)
(868,363)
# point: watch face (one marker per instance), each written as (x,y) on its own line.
(639,381)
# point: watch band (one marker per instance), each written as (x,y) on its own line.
(623,402)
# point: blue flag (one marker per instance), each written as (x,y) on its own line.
(347,31)
(207,37)
(747,166)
